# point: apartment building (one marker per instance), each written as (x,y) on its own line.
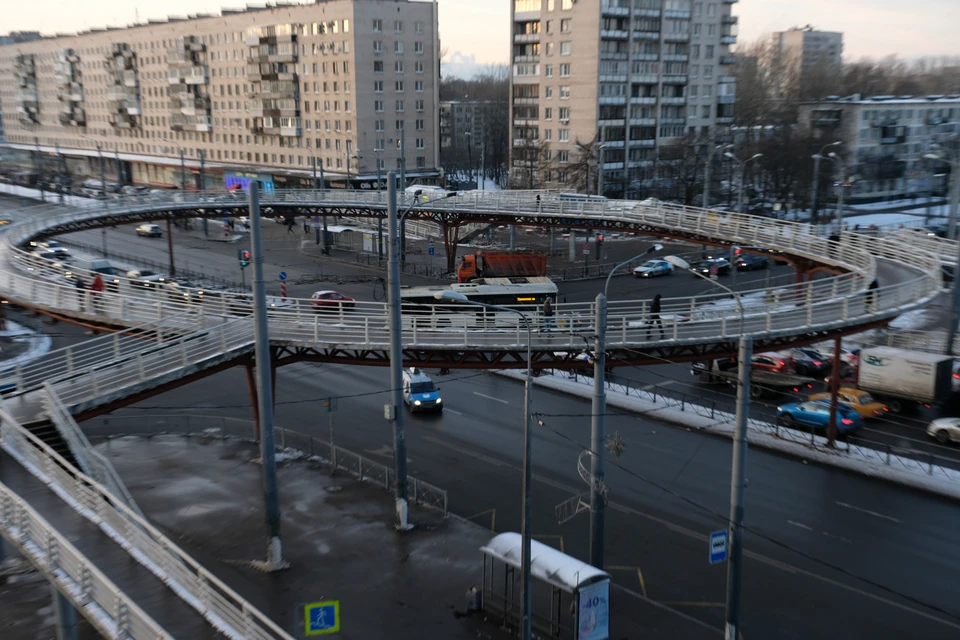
(256,94)
(611,83)
(807,48)
(463,123)
(885,139)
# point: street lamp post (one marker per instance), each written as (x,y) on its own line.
(842,169)
(600,148)
(103,195)
(742,164)
(61,177)
(954,156)
(738,475)
(183,172)
(598,427)
(706,174)
(817,157)
(203,185)
(376,152)
(37,165)
(526,592)
(469,136)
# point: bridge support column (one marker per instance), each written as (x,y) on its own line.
(573,246)
(254,401)
(553,241)
(451,238)
(173,268)
(834,391)
(513,237)
(66,616)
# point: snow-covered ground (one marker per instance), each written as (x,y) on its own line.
(863,460)
(915,320)
(38,345)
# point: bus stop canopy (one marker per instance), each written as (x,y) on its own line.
(547,564)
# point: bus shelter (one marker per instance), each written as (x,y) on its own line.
(571,599)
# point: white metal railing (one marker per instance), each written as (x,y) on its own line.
(823,303)
(91,461)
(211,597)
(111,611)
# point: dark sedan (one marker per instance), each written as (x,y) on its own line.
(751,262)
(713,266)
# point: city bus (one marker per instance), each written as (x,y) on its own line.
(421,307)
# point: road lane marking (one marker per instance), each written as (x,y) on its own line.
(467,452)
(643,583)
(483,395)
(453,411)
(493,517)
(867,511)
(685,603)
(798,524)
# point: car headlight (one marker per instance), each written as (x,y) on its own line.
(439,400)
(416,402)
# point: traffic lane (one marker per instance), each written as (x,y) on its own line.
(677,285)
(777,500)
(471,466)
(904,431)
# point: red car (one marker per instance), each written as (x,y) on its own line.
(773,362)
(331,300)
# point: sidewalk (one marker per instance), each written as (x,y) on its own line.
(339,540)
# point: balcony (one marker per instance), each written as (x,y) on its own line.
(648,143)
(613,144)
(613,166)
(673,100)
(729,19)
(526,58)
(731,99)
(643,122)
(677,14)
(728,59)
(673,121)
(675,79)
(614,34)
(613,78)
(613,11)
(676,37)
(525,122)
(646,78)
(724,119)
(526,142)
(613,100)
(643,100)
(612,55)
(726,79)
(676,57)
(526,38)
(180,122)
(730,1)
(645,57)
(728,39)
(526,101)
(195,107)
(129,78)
(646,13)
(646,35)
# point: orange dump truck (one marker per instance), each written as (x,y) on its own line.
(501,264)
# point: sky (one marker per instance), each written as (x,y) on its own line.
(477,31)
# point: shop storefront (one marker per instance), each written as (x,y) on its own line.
(233,179)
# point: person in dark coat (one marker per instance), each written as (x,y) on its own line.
(81,287)
(547,314)
(871,298)
(655,317)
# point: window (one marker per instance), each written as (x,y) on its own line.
(708,71)
(549,49)
(378,66)
(346,26)
(565,48)
(418,28)
(398,47)
(399,106)
(419,105)
(421,162)
(564,25)
(378,125)
(549,26)
(378,46)
(564,135)
(418,66)
(709,52)
(378,106)
(418,86)
(565,70)
(548,113)
(563,156)
(398,66)
(547,136)
(548,92)
(564,114)
(566,5)
(398,86)
(398,26)
(399,126)
(548,70)
(420,125)
(418,47)
(420,143)
(378,86)
(565,91)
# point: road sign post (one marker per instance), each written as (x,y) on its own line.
(718,547)
(283,285)
(330,405)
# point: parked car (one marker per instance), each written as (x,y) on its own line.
(184,291)
(860,400)
(772,362)
(329,299)
(722,265)
(53,246)
(945,430)
(149,230)
(146,278)
(816,414)
(809,362)
(751,262)
(653,269)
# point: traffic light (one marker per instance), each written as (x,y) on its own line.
(243,255)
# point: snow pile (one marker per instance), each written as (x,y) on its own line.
(869,462)
(39,344)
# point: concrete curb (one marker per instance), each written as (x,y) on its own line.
(933,479)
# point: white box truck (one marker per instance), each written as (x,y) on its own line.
(901,378)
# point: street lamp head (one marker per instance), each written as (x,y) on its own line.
(656,247)
(757,155)
(933,156)
(730,155)
(833,155)
(451,296)
(677,262)
(817,156)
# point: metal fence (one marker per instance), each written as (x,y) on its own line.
(212,598)
(288,441)
(111,611)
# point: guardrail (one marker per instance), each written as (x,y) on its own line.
(91,461)
(212,598)
(111,611)
(819,304)
(308,446)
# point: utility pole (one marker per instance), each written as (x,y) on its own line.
(376,152)
(103,194)
(598,433)
(203,186)
(183,172)
(61,180)
(738,481)
(394,410)
(600,169)
(814,218)
(38,167)
(264,388)
(403,189)
(120,177)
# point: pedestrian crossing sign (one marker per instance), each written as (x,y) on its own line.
(321,618)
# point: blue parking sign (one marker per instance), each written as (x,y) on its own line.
(321,618)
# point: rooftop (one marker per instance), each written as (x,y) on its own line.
(952,99)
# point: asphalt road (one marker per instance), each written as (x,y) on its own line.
(813,529)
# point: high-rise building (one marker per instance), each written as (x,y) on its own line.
(806,49)
(260,93)
(612,83)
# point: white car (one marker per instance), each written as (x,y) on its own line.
(149,230)
(146,278)
(945,430)
(653,269)
(52,245)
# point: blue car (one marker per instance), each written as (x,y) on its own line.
(816,414)
(419,392)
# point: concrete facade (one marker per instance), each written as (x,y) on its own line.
(806,48)
(634,76)
(250,91)
(884,141)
